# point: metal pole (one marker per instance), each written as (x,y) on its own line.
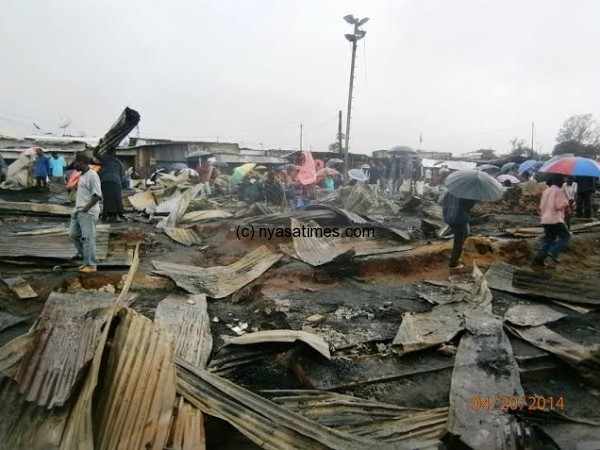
(532,125)
(300,137)
(349,113)
(339,137)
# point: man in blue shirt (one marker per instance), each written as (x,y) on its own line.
(41,168)
(58,164)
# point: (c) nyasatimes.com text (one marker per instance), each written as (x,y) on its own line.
(249,232)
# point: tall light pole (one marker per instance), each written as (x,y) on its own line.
(354,38)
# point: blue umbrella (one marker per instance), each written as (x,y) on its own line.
(528,165)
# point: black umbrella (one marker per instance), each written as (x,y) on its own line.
(489,168)
(474,185)
(403,149)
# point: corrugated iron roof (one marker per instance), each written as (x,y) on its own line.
(63,343)
(219,281)
(137,394)
(185,318)
(271,336)
(183,236)
(57,246)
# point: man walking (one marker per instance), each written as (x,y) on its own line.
(41,168)
(83,219)
(556,235)
(57,165)
(457,214)
(586,186)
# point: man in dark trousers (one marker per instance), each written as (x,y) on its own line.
(457,214)
(586,186)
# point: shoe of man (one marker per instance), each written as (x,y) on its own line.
(87,269)
(553,257)
(457,267)
(538,263)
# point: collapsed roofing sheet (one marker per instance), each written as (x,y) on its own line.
(368,418)
(183,236)
(272,336)
(585,359)
(136,398)
(557,287)
(267,424)
(179,210)
(62,344)
(20,287)
(219,281)
(532,315)
(119,130)
(185,319)
(58,246)
(485,366)
(316,251)
(8,320)
(201,216)
(34,208)
(143,201)
(24,425)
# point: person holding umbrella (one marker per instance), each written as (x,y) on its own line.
(552,211)
(464,189)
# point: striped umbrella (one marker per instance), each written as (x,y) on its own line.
(573,165)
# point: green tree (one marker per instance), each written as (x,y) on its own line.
(580,135)
(335,147)
(486,153)
(519,149)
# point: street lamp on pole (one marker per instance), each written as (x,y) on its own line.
(354,38)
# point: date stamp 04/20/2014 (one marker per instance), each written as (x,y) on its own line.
(517,403)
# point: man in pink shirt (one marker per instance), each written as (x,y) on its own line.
(552,208)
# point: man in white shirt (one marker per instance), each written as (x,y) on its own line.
(83,220)
(570,190)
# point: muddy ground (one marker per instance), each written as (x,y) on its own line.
(362,304)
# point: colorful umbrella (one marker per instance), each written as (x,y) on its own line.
(511,178)
(239,173)
(474,185)
(528,165)
(573,165)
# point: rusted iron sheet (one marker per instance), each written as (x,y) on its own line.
(266,423)
(185,319)
(532,315)
(368,418)
(55,246)
(219,281)
(358,199)
(42,209)
(20,287)
(485,366)
(119,130)
(78,433)
(557,287)
(63,343)
(143,201)
(24,425)
(182,204)
(12,353)
(136,398)
(585,359)
(57,230)
(287,336)
(183,236)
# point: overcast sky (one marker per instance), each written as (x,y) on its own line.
(465,73)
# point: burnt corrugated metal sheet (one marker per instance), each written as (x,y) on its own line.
(585,359)
(126,122)
(288,336)
(316,251)
(219,281)
(485,365)
(185,318)
(183,236)
(201,216)
(24,425)
(180,208)
(187,429)
(136,398)
(62,345)
(267,424)
(143,200)
(42,209)
(57,246)
(557,287)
